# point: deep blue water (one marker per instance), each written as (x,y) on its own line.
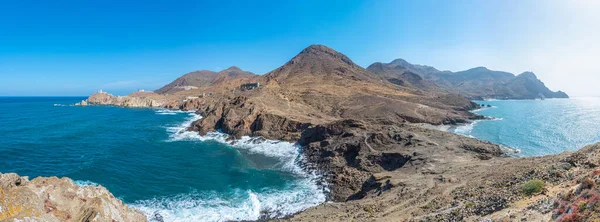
(539,127)
(145,158)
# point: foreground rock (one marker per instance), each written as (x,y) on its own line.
(469,190)
(54,199)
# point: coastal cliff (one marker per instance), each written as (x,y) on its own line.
(54,199)
(360,131)
(139,99)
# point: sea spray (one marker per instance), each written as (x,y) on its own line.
(305,190)
(162,111)
(84,183)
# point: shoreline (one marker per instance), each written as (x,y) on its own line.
(292,161)
(366,193)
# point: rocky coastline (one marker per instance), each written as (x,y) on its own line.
(407,172)
(369,138)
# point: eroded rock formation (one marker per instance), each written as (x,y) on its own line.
(53,199)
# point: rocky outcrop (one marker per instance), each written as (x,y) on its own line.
(54,199)
(240,117)
(82,103)
(134,100)
(457,186)
(352,152)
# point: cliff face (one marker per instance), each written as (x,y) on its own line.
(140,99)
(54,199)
(476,83)
(360,157)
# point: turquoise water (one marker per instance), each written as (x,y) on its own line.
(539,127)
(145,158)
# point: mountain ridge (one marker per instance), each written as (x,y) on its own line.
(203,78)
(476,83)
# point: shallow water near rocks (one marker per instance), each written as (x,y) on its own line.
(538,127)
(147,159)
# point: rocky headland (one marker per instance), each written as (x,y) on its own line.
(137,99)
(360,129)
(54,199)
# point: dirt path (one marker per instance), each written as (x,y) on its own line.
(370,148)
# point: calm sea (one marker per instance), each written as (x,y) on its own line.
(145,158)
(539,127)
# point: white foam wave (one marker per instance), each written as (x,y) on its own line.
(180,132)
(243,205)
(60,105)
(466,129)
(306,190)
(170,112)
(484,108)
(84,183)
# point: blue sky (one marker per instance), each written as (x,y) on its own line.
(78,47)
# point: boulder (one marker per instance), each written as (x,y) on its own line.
(54,199)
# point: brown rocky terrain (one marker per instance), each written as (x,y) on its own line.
(194,80)
(54,199)
(463,189)
(137,99)
(359,129)
(319,86)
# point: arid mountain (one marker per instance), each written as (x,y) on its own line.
(402,73)
(373,140)
(475,83)
(527,86)
(320,62)
(203,78)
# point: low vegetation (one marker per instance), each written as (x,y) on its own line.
(533,187)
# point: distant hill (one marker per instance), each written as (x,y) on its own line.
(203,78)
(402,73)
(475,83)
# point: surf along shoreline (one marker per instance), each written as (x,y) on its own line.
(308,158)
(362,169)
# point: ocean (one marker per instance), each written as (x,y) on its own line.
(538,127)
(147,159)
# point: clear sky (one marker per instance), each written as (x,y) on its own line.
(77,47)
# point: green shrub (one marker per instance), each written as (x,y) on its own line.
(582,205)
(470,205)
(533,187)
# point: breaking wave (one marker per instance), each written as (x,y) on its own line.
(84,183)
(307,189)
(169,112)
(467,129)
